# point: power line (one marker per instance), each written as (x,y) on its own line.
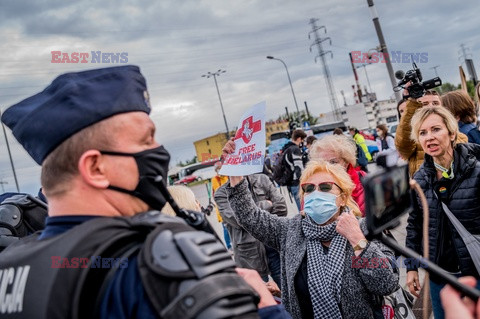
(326,72)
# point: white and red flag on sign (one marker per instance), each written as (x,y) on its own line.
(249,144)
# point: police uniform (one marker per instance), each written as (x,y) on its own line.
(147,266)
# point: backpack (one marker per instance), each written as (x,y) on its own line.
(282,174)
(20,216)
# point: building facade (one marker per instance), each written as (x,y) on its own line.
(367,115)
(210,147)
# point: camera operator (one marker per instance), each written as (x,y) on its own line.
(406,147)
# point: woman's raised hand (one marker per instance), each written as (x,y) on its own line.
(348,227)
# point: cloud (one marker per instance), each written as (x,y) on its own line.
(175,42)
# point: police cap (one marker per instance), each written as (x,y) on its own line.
(73,102)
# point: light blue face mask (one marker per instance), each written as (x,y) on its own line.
(320,206)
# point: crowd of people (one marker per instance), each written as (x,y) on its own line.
(86,127)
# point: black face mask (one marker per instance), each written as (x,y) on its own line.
(152,164)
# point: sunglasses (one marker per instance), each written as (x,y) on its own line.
(322,187)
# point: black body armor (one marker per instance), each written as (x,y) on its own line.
(185,273)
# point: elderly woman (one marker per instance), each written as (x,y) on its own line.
(339,149)
(320,276)
(449,174)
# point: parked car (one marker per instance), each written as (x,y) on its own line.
(393,129)
(186,180)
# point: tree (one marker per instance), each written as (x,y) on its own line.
(187,162)
(448,87)
(300,118)
(192,161)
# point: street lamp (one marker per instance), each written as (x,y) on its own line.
(435,68)
(9,155)
(289,80)
(365,69)
(215,74)
(1,183)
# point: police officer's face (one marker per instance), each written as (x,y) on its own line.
(131,133)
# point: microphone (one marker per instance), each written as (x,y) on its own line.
(195,219)
(399,74)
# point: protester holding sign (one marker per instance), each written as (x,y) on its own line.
(312,285)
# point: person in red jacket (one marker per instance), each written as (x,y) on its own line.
(340,149)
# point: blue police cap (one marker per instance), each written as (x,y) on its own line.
(73,102)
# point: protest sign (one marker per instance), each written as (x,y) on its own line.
(249,144)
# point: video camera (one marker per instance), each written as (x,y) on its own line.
(388,197)
(417,88)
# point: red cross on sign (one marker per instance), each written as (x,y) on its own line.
(249,127)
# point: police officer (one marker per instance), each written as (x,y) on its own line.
(99,255)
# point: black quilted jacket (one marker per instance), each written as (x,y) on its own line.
(463,200)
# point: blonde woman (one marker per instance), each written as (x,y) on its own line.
(449,174)
(340,149)
(314,286)
(184,197)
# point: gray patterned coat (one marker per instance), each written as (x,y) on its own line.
(286,236)
(248,252)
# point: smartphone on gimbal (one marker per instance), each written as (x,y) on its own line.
(388,197)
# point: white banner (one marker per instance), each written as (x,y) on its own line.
(249,144)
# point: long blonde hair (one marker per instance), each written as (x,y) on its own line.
(184,197)
(340,176)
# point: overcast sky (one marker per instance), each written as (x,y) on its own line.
(175,42)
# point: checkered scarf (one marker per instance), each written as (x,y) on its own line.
(324,270)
